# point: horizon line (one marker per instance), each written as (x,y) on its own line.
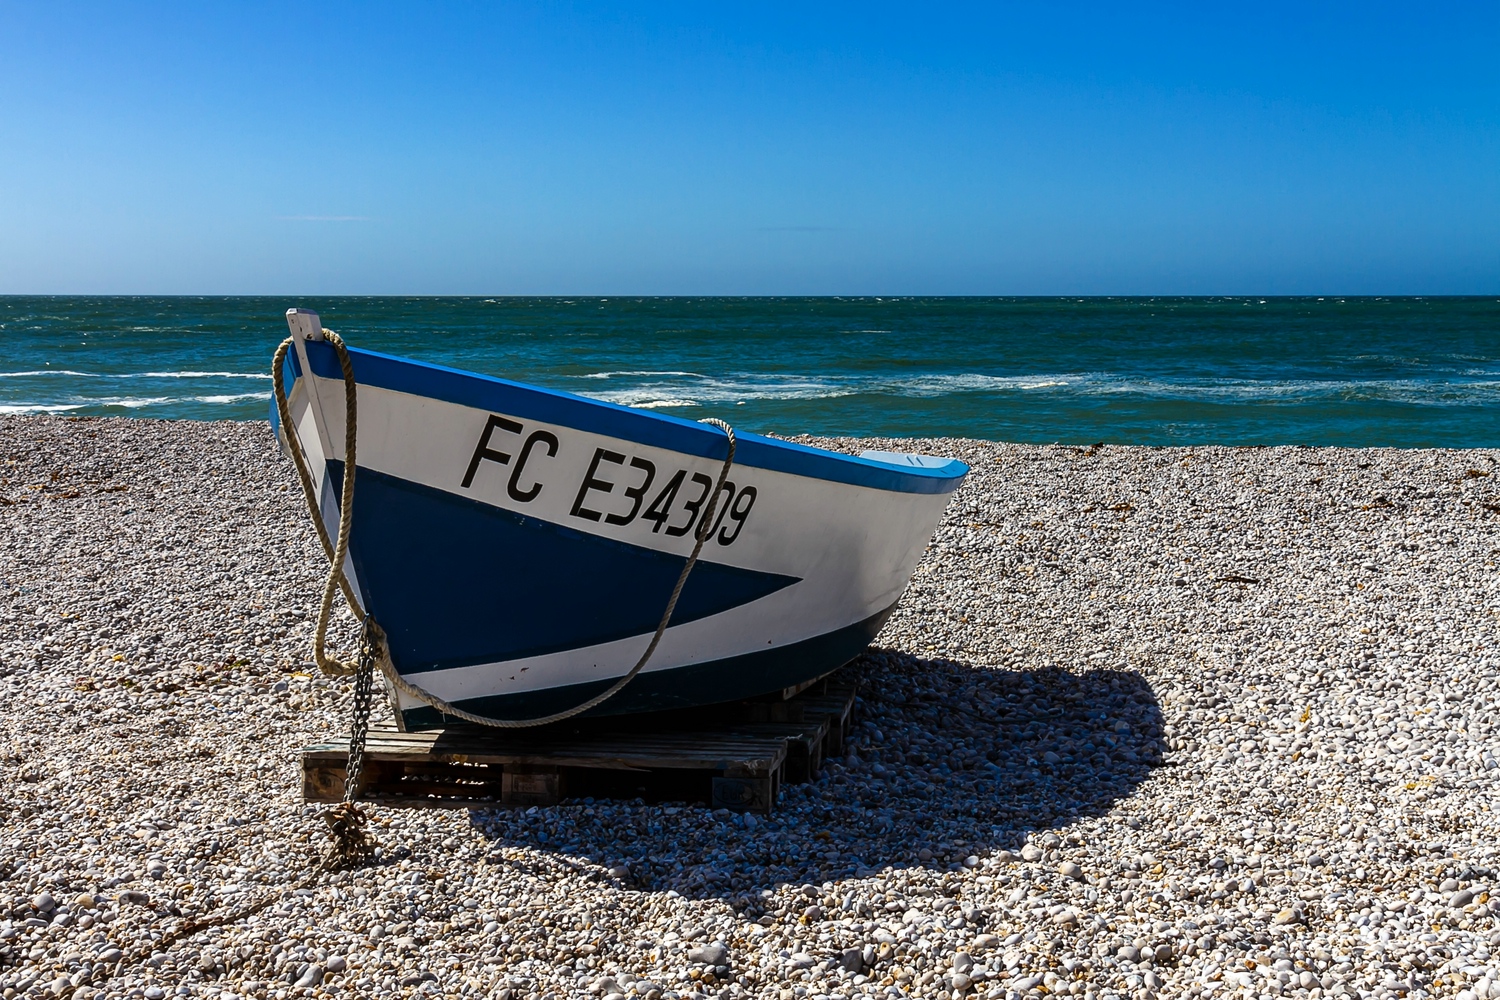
(600,296)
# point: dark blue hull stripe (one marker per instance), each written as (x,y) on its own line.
(456,583)
(659,430)
(730,679)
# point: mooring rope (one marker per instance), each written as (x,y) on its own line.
(348,825)
(337,550)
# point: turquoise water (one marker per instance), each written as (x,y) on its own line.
(1345,371)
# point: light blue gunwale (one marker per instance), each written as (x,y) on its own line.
(552,406)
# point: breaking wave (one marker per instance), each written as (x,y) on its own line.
(658,392)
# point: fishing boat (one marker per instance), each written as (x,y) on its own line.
(517,545)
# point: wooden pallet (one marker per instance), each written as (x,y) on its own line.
(738,764)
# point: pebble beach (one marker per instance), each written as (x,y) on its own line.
(1148,723)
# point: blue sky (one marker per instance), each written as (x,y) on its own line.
(749,149)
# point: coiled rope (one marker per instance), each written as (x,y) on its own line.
(375,650)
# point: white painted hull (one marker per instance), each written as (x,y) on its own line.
(469,487)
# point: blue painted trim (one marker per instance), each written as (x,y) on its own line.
(485,392)
(290,371)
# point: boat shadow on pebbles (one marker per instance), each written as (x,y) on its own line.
(947,763)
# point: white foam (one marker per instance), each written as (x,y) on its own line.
(946,385)
(15,408)
(256,375)
(234,398)
(75,374)
(49,371)
(709,391)
(643,375)
(133,402)
(661,404)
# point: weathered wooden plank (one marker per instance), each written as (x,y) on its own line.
(804,744)
(744,794)
(837,706)
(533,788)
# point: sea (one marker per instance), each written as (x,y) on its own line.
(1332,370)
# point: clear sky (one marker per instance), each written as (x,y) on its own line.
(660,148)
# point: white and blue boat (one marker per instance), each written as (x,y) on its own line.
(518,545)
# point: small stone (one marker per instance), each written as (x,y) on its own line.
(312,977)
(812,913)
(43,902)
(618,871)
(1448,885)
(962,961)
(960,982)
(1460,899)
(709,954)
(411,978)
(1031,852)
(1317,861)
(154,993)
(1152,980)
(1129,953)
(85,901)
(1070,870)
(336,963)
(1287,916)
(851,960)
(924,855)
(1005,857)
(109,956)
(156,869)
(1027,984)
(1163,954)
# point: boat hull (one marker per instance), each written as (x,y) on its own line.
(518,545)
